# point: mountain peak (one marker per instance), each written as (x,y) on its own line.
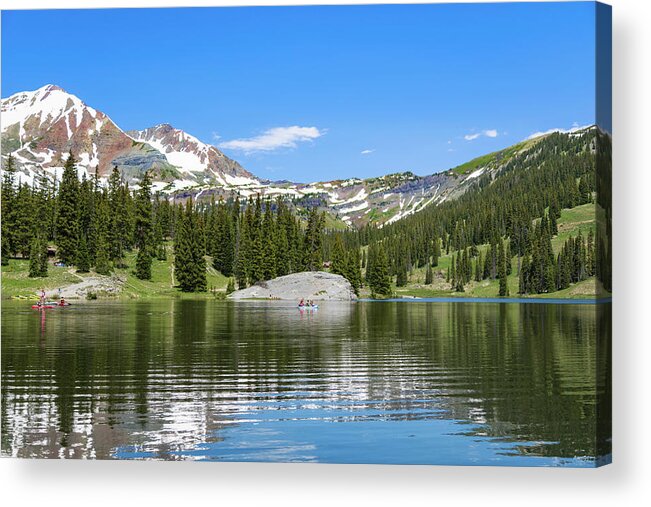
(162,126)
(194,158)
(50,88)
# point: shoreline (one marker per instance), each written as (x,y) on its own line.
(206,296)
(524,300)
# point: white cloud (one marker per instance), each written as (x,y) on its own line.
(367,152)
(476,135)
(575,126)
(216,136)
(274,139)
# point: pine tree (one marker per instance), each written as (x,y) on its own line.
(429,276)
(381,282)
(401,276)
(83,256)
(159,242)
(338,258)
(370,270)
(453,272)
(143,229)
(460,273)
(509,257)
(120,217)
(43,263)
(353,270)
(590,254)
(23,227)
(479,268)
(313,259)
(524,282)
(102,254)
(269,254)
(243,255)
(143,264)
(256,261)
(102,262)
(189,249)
(437,252)
(68,213)
(38,257)
(282,239)
(230,288)
(223,245)
(501,260)
(8,210)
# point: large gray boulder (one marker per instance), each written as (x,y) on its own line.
(316,285)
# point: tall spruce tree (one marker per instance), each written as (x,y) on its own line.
(68,213)
(189,249)
(8,210)
(269,241)
(313,241)
(102,254)
(223,246)
(429,275)
(83,256)
(378,278)
(25,223)
(501,271)
(353,270)
(144,237)
(401,275)
(338,263)
(38,266)
(120,215)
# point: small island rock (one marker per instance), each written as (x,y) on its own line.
(315,285)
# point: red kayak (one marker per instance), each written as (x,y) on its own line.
(49,305)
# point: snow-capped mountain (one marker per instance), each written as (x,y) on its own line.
(41,127)
(196,161)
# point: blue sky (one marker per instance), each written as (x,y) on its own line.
(319,93)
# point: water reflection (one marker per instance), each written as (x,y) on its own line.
(366,382)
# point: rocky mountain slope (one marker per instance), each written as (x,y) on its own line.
(197,162)
(39,128)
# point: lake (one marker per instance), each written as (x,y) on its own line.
(461,383)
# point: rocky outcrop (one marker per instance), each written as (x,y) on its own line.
(315,285)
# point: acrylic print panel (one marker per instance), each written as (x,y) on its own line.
(337,234)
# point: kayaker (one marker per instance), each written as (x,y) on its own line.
(62,302)
(302,302)
(42,300)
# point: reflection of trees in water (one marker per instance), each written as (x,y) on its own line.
(532,367)
(164,376)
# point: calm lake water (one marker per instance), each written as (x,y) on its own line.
(369,382)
